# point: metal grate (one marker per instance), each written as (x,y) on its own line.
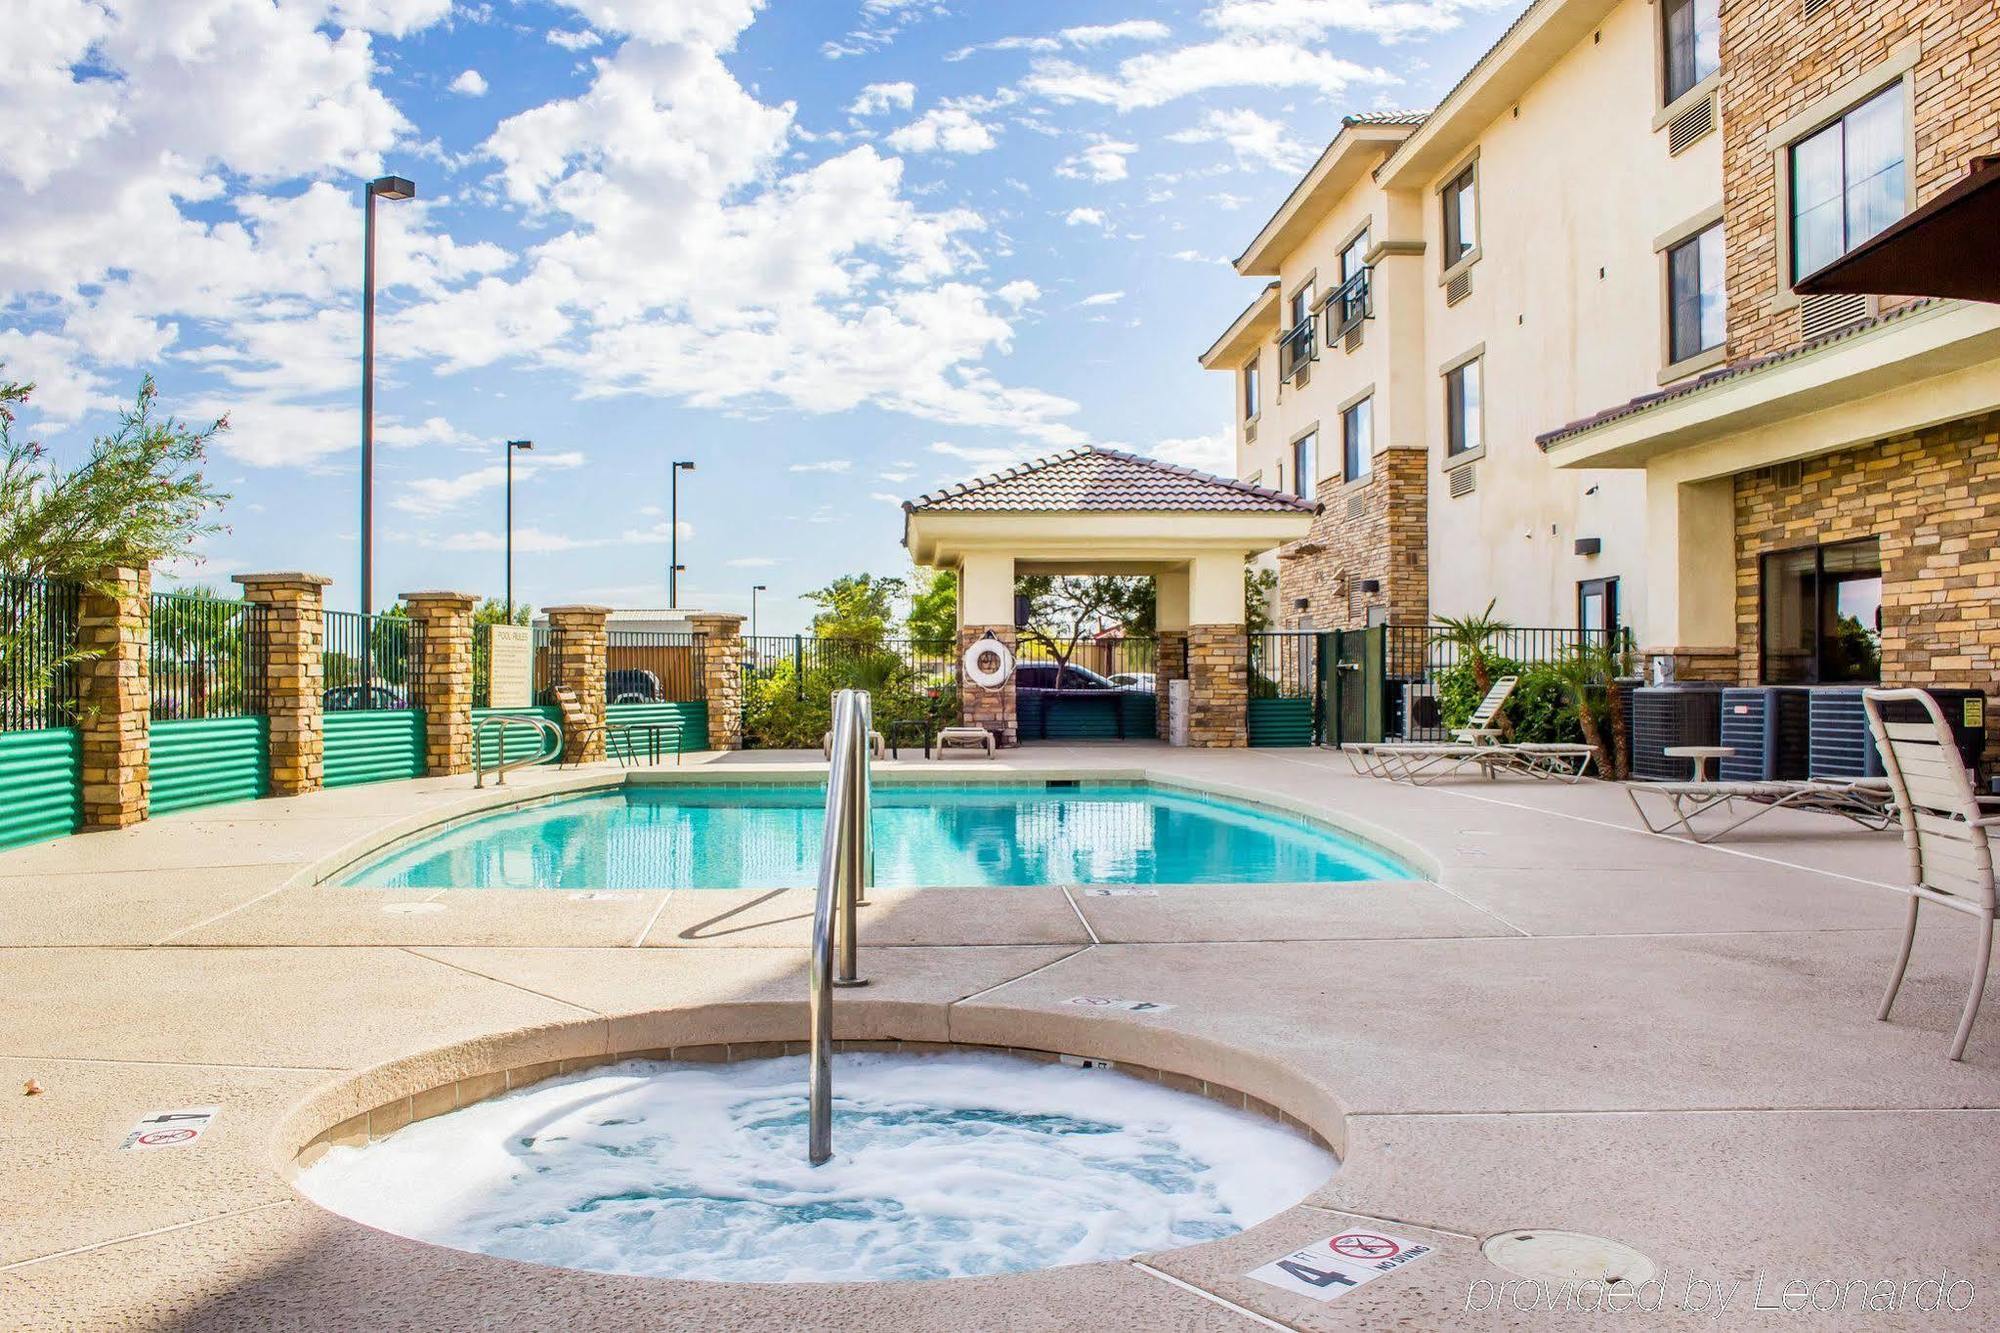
(1354,338)
(1463,481)
(37,653)
(1250,433)
(1691,124)
(1458,288)
(1357,505)
(1814,7)
(1823,314)
(369,662)
(205,657)
(1302,376)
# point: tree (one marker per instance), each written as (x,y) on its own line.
(493,611)
(856,608)
(1470,636)
(1062,609)
(932,622)
(1260,588)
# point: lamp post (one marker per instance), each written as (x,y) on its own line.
(674,534)
(755,588)
(522,446)
(385,187)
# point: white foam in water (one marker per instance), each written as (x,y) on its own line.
(944,1166)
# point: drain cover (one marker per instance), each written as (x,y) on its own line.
(1568,1256)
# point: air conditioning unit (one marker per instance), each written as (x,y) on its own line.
(1664,716)
(1841,747)
(1768,727)
(1422,720)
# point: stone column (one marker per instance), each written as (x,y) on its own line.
(1173,659)
(294,675)
(114,619)
(994,710)
(722,677)
(441,684)
(1218,665)
(578,639)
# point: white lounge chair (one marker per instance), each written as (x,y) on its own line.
(1945,831)
(1866,801)
(1474,745)
(978,739)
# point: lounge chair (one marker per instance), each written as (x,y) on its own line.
(1474,745)
(961,738)
(1945,830)
(1866,801)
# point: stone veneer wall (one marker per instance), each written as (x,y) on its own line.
(1775,66)
(1388,539)
(994,710)
(577,633)
(722,678)
(441,624)
(1933,498)
(116,715)
(294,675)
(1218,663)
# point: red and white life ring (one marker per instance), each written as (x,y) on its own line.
(988,663)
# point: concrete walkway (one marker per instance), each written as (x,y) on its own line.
(1577,1026)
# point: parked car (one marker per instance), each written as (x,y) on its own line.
(632,685)
(1042,676)
(355,698)
(1133,680)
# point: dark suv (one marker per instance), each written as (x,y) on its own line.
(1042,676)
(631,685)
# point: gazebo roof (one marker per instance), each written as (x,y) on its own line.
(1096,480)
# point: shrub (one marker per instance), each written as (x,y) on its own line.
(1541,710)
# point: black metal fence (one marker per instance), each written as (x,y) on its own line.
(789,680)
(1425,666)
(370,662)
(37,653)
(654,666)
(1284,664)
(205,656)
(802,658)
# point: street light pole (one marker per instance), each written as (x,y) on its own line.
(523,446)
(755,588)
(387,187)
(674,534)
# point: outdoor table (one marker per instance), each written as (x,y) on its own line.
(909,726)
(1701,754)
(653,732)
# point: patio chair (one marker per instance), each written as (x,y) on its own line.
(1944,831)
(1866,801)
(877,747)
(972,738)
(1475,745)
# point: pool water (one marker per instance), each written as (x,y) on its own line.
(944,1165)
(768,836)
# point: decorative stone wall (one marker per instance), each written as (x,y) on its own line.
(722,677)
(1218,663)
(1774,66)
(1377,529)
(994,710)
(1933,498)
(1172,660)
(294,675)
(441,630)
(112,684)
(578,634)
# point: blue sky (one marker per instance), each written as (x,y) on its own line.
(837,252)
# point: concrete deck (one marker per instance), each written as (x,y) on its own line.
(1577,1026)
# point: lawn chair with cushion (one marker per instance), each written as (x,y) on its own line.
(1946,831)
(1474,745)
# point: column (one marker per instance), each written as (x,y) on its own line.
(1170,619)
(986,605)
(577,633)
(294,623)
(114,618)
(441,676)
(1691,575)
(722,676)
(1218,654)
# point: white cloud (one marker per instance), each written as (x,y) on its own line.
(886,498)
(1102,298)
(440,495)
(987,458)
(1196,257)
(835,465)
(532,539)
(1103,159)
(1086,217)
(697,23)
(573,39)
(1018,292)
(397,18)
(1388,20)
(471,84)
(1205,453)
(879,97)
(752,562)
(1156,78)
(1255,140)
(1131,30)
(946,129)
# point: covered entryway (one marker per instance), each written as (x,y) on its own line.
(1098,511)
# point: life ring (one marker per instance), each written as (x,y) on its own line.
(988,663)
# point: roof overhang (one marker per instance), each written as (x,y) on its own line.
(1344,163)
(1097,541)
(1257,325)
(1543,33)
(1935,364)
(1948,247)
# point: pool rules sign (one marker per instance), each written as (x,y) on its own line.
(510,666)
(1337,1265)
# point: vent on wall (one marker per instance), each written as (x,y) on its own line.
(1691,124)
(1823,314)
(1357,505)
(1458,288)
(1813,7)
(1463,482)
(1354,338)
(1250,433)
(1303,375)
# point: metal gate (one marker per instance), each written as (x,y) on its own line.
(1349,697)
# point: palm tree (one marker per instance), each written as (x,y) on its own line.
(1469,635)
(1589,675)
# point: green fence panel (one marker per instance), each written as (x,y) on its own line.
(374,745)
(1085,720)
(41,784)
(205,761)
(520,742)
(692,716)
(1281,721)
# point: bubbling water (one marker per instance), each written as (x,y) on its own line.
(944,1166)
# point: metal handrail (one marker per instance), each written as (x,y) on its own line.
(846,861)
(501,767)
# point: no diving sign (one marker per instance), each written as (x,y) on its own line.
(170,1129)
(1339,1264)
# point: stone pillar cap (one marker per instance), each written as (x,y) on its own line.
(282,576)
(441,595)
(579,609)
(697,616)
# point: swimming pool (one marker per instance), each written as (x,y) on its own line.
(767,836)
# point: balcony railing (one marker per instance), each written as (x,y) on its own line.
(1298,346)
(1352,303)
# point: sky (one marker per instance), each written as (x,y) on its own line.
(836,252)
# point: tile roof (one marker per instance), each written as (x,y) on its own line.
(1734,370)
(1103,480)
(1386,118)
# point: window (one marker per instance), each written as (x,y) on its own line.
(1461,216)
(1250,406)
(1298,335)
(1848,182)
(1462,432)
(1697,303)
(1693,43)
(1357,439)
(1597,606)
(1354,294)
(1822,614)
(1305,464)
